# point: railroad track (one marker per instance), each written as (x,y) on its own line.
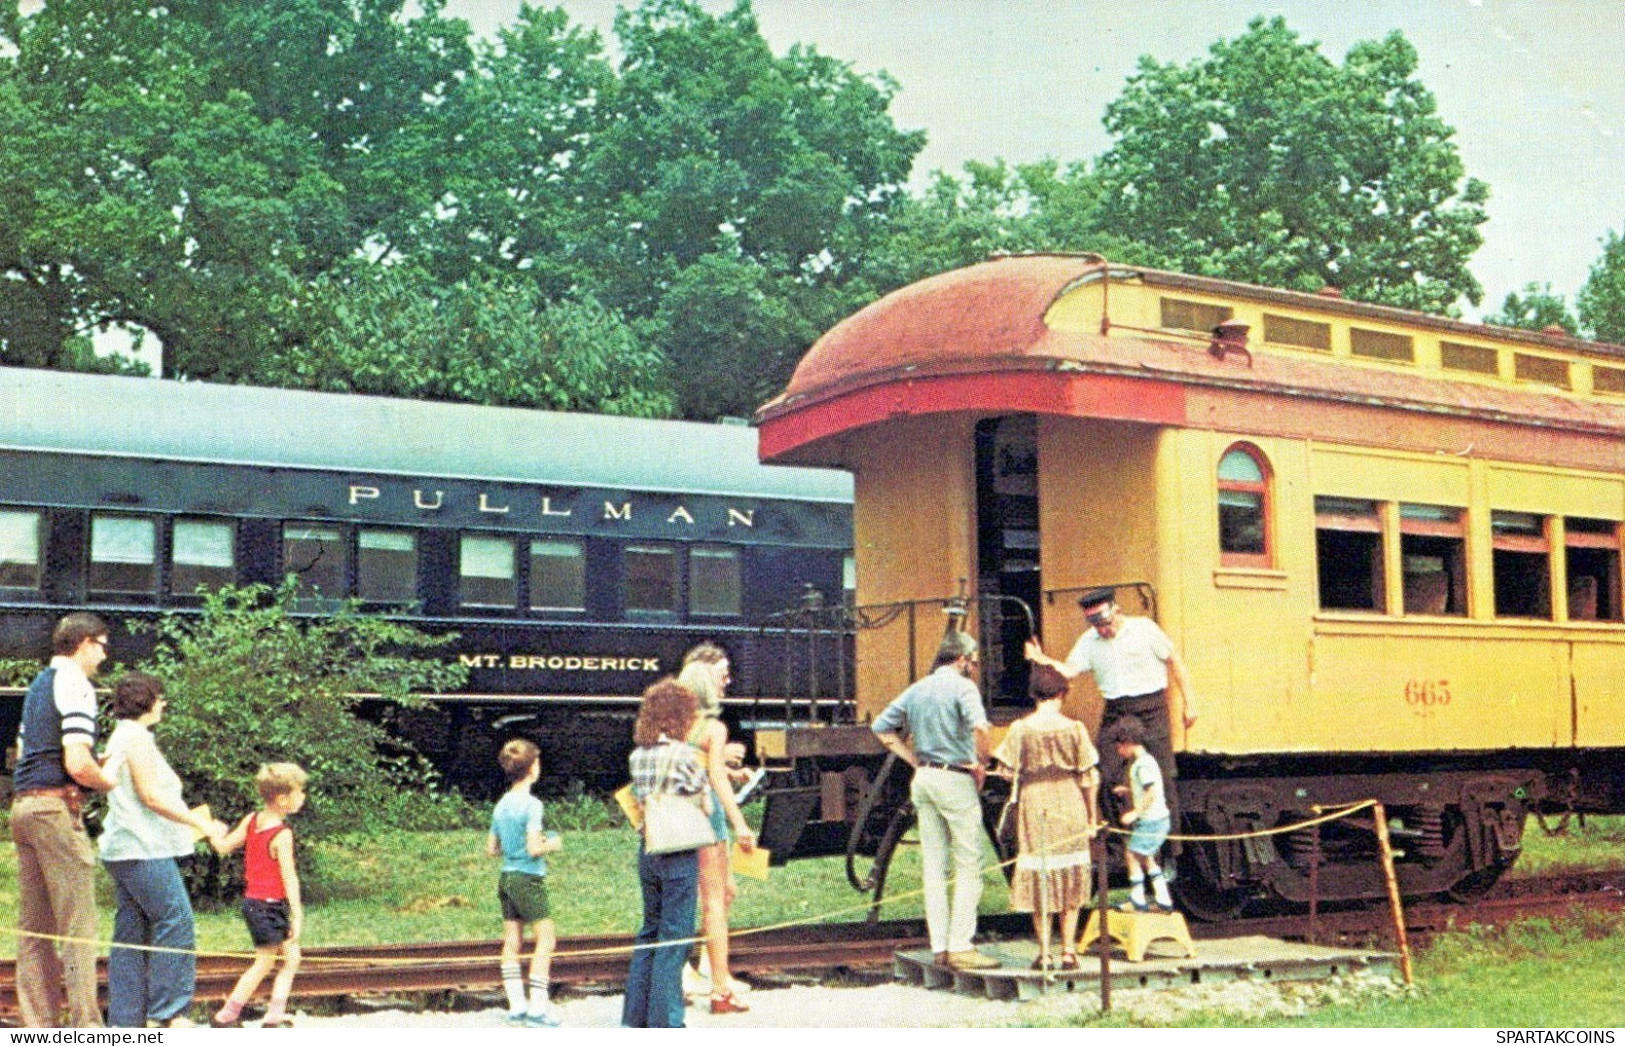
(442,966)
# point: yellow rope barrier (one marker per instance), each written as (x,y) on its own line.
(822,917)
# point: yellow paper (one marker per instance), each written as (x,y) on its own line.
(206,814)
(629,805)
(753,864)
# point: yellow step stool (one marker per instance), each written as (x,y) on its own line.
(1136,930)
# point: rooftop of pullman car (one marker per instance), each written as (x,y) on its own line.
(57,411)
(1018,332)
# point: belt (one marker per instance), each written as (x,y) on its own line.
(958,768)
(70,792)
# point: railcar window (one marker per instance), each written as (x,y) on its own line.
(1380,345)
(1593,569)
(1182,315)
(1473,359)
(20,547)
(1522,574)
(487,570)
(1608,379)
(123,555)
(1348,554)
(1540,370)
(1433,549)
(318,558)
(713,581)
(558,575)
(203,554)
(1243,508)
(651,578)
(387,566)
(1301,334)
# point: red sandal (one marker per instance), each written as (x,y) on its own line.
(728,1002)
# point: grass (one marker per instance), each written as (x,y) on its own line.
(1589,846)
(393,886)
(1532,974)
(402,886)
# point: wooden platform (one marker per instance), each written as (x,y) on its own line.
(1165,966)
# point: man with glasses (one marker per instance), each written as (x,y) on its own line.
(1132,660)
(55,862)
(948,749)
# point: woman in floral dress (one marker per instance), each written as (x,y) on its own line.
(1055,780)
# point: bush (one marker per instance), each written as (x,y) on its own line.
(249,683)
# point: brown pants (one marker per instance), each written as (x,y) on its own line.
(56,896)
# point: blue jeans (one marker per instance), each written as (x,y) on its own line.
(153,909)
(654,983)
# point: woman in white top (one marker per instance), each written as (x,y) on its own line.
(148,826)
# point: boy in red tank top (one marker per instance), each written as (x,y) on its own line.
(271,904)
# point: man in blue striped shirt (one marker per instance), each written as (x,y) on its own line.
(55,862)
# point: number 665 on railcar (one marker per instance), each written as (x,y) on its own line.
(575,556)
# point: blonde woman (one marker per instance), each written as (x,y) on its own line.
(705,672)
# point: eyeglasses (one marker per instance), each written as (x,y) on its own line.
(101,641)
(1103,617)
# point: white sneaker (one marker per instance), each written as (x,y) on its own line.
(694,983)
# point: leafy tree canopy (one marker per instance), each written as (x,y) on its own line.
(1601,301)
(1537,308)
(181,170)
(1267,162)
(394,330)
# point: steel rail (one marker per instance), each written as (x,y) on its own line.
(472,965)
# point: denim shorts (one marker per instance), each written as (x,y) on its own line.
(267,921)
(1148,836)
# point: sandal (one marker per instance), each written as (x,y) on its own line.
(1069,961)
(728,1002)
(1043,962)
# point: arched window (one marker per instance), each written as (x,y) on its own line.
(1244,508)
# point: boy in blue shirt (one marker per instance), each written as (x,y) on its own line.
(518,838)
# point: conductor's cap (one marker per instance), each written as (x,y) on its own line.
(1096,597)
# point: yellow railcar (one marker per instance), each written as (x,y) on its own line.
(1386,544)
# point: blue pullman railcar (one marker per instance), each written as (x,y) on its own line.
(575,556)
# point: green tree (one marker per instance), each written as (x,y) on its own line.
(184,175)
(393,330)
(1535,309)
(994,208)
(251,682)
(1267,162)
(766,171)
(1601,302)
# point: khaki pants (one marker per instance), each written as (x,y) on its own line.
(949,814)
(56,896)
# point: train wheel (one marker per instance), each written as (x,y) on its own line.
(1199,897)
(1474,885)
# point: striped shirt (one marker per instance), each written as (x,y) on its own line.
(60,708)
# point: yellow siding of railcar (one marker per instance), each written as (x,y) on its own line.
(1599,691)
(1274,672)
(1097,523)
(1241,631)
(914,527)
(1132,305)
(1386,687)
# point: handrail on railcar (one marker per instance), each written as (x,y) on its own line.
(1144,590)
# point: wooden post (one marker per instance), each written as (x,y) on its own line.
(1314,884)
(1385,847)
(1103,941)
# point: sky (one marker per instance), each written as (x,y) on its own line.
(1533,88)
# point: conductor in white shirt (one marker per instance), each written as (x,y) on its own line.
(1133,661)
